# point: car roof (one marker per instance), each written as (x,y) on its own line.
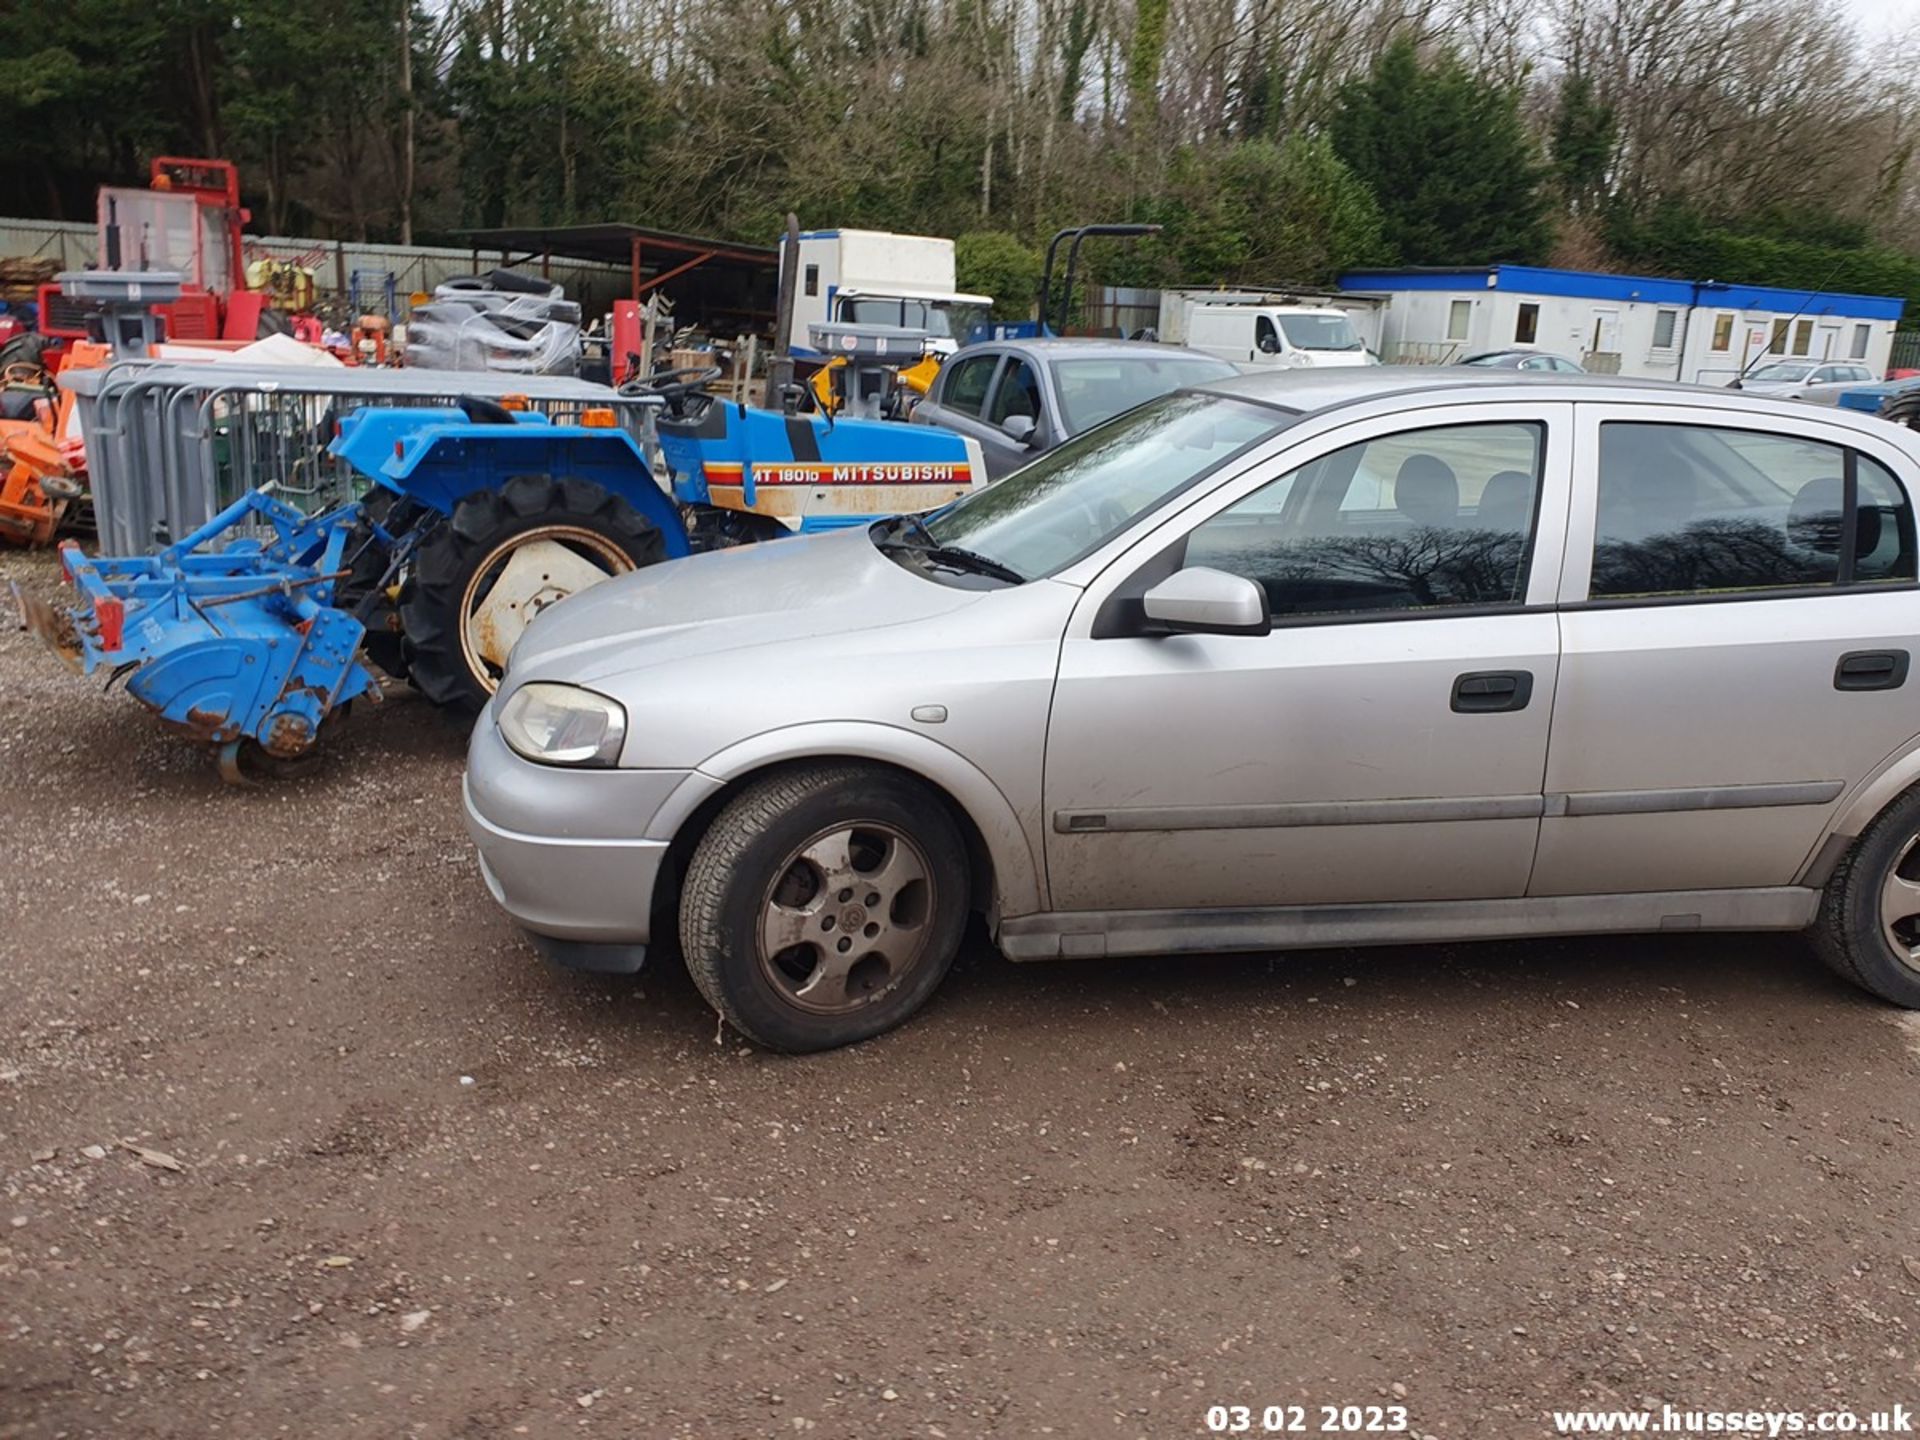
(1308,391)
(1073,347)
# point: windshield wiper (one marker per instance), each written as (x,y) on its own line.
(955,557)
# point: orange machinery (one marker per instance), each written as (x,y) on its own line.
(43,463)
(188,219)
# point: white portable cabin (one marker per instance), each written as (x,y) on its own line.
(1700,331)
(874,277)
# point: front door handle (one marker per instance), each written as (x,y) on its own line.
(1871,670)
(1485,692)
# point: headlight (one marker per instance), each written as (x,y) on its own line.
(563,725)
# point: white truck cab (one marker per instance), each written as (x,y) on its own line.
(1276,336)
(874,277)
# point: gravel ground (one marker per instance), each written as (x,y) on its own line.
(297,1137)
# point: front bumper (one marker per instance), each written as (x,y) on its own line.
(559,852)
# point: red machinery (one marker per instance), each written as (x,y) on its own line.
(189,219)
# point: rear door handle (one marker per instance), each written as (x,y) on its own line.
(1484,692)
(1871,670)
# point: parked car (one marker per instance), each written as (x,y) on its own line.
(1020,398)
(1527,360)
(1822,382)
(1329,659)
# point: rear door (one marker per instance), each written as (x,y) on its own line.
(1736,641)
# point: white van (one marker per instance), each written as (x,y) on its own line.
(1281,336)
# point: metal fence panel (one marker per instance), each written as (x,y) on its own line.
(171,445)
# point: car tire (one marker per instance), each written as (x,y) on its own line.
(872,937)
(1857,931)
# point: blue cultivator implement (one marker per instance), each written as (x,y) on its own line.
(241,648)
(248,633)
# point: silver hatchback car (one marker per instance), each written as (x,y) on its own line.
(1315,659)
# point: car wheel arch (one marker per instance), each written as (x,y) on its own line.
(1898,773)
(1006,870)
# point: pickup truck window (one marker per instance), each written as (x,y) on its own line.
(1695,510)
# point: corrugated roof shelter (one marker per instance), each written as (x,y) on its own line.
(714,283)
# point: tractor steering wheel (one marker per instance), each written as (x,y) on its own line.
(674,386)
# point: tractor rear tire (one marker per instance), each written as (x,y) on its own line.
(1904,409)
(456,567)
(369,558)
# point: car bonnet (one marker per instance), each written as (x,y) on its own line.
(766,594)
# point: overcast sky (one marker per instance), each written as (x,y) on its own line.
(1879,16)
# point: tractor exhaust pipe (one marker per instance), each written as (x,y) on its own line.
(780,368)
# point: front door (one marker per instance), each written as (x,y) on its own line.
(1385,741)
(1727,673)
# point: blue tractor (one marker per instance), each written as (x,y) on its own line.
(250,632)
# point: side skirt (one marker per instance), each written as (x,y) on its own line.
(1093,933)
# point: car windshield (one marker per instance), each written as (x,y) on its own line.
(1320,332)
(1096,390)
(1072,499)
(941,319)
(1782,372)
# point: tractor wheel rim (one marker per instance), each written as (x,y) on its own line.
(489,624)
(847,917)
(1900,906)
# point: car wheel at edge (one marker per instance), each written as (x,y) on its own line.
(1868,928)
(824,905)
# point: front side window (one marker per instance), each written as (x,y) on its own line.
(1663,326)
(964,385)
(1072,500)
(1017,394)
(1526,325)
(1698,510)
(1415,521)
(1266,339)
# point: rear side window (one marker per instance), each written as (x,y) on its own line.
(965,388)
(1695,510)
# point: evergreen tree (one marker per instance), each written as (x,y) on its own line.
(1584,135)
(1448,158)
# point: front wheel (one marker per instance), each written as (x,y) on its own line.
(499,560)
(1868,929)
(824,905)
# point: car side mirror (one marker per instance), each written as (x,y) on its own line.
(1204,601)
(1020,429)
